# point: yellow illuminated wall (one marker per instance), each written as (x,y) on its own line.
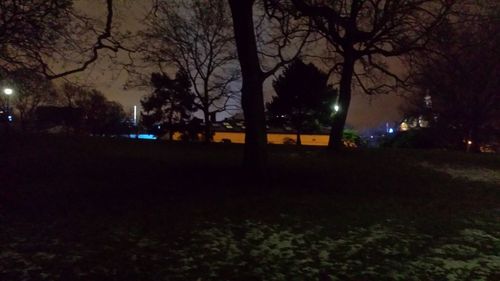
(273,138)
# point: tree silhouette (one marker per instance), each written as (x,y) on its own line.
(44,35)
(32,90)
(196,37)
(171,103)
(102,117)
(303,97)
(99,115)
(460,71)
(252,57)
(362,34)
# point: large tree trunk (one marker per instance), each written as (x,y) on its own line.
(299,131)
(170,130)
(344,100)
(252,94)
(298,126)
(23,121)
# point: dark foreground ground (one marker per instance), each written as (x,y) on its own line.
(102,209)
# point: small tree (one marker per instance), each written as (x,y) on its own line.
(304,98)
(102,117)
(99,115)
(170,105)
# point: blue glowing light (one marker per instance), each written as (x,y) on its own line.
(391,130)
(9,118)
(143,136)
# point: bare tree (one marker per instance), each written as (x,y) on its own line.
(459,71)
(196,37)
(92,112)
(364,33)
(32,91)
(39,35)
(286,41)
(72,95)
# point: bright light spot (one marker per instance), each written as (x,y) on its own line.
(143,136)
(404,126)
(8,91)
(469,142)
(135,115)
(371,137)
(336,108)
(9,118)
(391,130)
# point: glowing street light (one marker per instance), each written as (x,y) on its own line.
(469,145)
(8,91)
(336,108)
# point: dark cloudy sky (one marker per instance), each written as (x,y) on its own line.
(365,112)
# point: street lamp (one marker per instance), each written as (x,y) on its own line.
(8,92)
(335,109)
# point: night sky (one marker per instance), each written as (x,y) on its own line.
(365,112)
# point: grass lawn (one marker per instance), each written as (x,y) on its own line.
(107,209)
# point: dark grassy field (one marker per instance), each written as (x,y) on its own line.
(104,209)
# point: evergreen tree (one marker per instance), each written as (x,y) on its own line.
(170,105)
(303,98)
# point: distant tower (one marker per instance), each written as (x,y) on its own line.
(428,100)
(424,121)
(135,115)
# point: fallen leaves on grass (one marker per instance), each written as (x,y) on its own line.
(253,250)
(468,173)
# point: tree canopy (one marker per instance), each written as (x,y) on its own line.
(196,37)
(460,73)
(304,99)
(170,105)
(51,38)
(100,116)
(361,35)
(31,91)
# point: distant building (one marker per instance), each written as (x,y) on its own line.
(232,130)
(423,120)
